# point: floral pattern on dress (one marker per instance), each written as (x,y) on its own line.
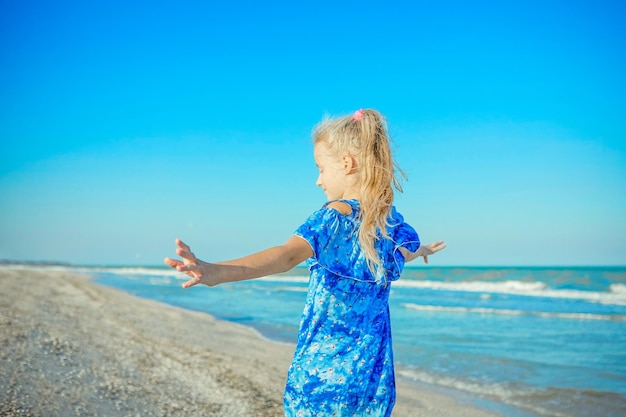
(343,362)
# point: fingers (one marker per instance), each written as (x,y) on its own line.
(185,252)
(427,250)
(173,263)
(188,268)
(182,244)
(187,265)
(191,283)
(436,246)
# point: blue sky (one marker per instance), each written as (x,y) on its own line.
(127,124)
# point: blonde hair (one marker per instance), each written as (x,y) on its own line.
(364,137)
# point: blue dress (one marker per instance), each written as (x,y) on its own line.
(343,362)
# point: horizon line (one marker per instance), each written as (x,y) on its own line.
(4,262)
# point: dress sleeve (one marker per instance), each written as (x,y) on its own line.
(319,229)
(405,236)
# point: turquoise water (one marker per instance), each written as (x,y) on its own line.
(549,341)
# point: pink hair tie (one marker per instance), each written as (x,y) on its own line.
(358,115)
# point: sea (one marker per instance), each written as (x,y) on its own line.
(521,341)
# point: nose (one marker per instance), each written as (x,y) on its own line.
(318,182)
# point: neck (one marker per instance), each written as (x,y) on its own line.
(351,195)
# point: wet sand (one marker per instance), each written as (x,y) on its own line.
(69,347)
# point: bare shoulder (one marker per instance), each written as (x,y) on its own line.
(341,207)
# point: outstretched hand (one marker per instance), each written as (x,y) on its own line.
(427,250)
(190,265)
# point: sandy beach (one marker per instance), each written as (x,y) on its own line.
(70,347)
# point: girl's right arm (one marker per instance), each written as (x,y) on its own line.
(267,262)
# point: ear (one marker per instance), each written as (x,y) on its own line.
(349,164)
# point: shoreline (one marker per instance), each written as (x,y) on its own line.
(74,347)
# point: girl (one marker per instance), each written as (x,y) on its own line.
(355,245)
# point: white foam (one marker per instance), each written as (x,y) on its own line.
(616,296)
(286,278)
(474,286)
(141,271)
(618,288)
(60,268)
(291,288)
(509,312)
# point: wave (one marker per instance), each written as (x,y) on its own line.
(478,286)
(291,288)
(286,278)
(27,266)
(618,288)
(509,312)
(134,271)
(158,271)
(615,296)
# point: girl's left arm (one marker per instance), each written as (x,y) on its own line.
(267,262)
(424,250)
